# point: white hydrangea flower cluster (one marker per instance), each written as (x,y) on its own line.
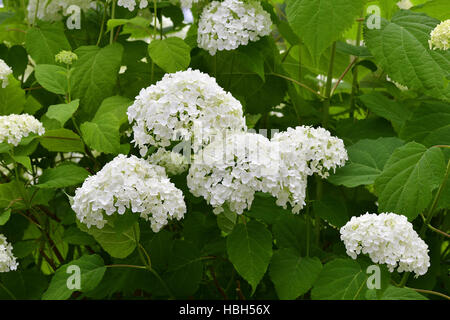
(54,10)
(7,260)
(5,71)
(14,127)
(387,238)
(321,151)
(440,36)
(129,183)
(188,3)
(231,169)
(186,105)
(227,25)
(131,4)
(174,162)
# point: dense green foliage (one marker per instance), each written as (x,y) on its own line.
(307,72)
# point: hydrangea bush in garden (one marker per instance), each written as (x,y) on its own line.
(272,149)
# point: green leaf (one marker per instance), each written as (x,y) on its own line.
(62,176)
(94,75)
(52,78)
(12,98)
(320,22)
(92,269)
(226,220)
(408,179)
(290,232)
(384,107)
(136,21)
(292,274)
(115,105)
(366,162)
(185,269)
(340,279)
(438,9)
(61,140)
(103,134)
(119,244)
(43,42)
(332,209)
(74,235)
(358,51)
(429,124)
(62,112)
(401,48)
(10,195)
(4,217)
(171,54)
(249,248)
(395,293)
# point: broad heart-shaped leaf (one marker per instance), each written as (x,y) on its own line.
(293,275)
(395,293)
(384,107)
(249,248)
(94,75)
(320,22)
(340,279)
(401,48)
(61,140)
(185,269)
(429,124)
(44,41)
(91,269)
(118,243)
(103,134)
(62,112)
(170,54)
(366,161)
(290,232)
(408,179)
(115,105)
(12,98)
(62,176)
(434,8)
(52,78)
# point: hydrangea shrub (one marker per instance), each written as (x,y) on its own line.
(235,149)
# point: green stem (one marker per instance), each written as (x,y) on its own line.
(326,103)
(36,12)
(113,13)
(102,27)
(430,292)
(355,75)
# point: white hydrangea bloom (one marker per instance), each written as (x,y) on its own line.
(440,36)
(7,260)
(321,151)
(5,71)
(387,238)
(227,25)
(54,10)
(187,3)
(14,127)
(230,170)
(186,105)
(174,162)
(129,183)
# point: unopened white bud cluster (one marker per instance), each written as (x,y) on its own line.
(230,171)
(7,260)
(174,162)
(440,36)
(129,183)
(14,127)
(5,71)
(229,24)
(186,105)
(387,238)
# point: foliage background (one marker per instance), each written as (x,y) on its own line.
(392,134)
